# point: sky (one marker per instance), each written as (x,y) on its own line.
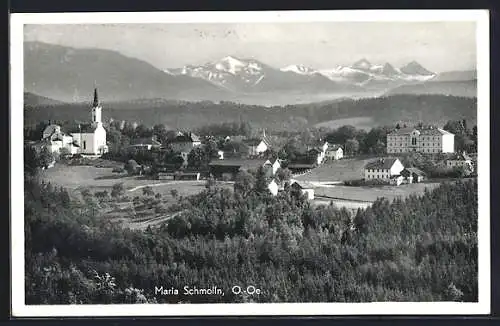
(438,46)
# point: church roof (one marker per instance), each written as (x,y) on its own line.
(86,128)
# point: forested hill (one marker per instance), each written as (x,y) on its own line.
(381,111)
(420,249)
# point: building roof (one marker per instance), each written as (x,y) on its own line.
(333,147)
(383,163)
(413,171)
(301,184)
(431,131)
(241,163)
(144,141)
(187,137)
(301,166)
(86,128)
(52,128)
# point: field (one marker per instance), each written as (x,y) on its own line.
(365,123)
(370,194)
(138,215)
(341,170)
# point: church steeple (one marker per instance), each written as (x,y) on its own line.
(96,98)
(96,109)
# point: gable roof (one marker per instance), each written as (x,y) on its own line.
(383,163)
(241,163)
(413,170)
(424,131)
(301,184)
(86,128)
(187,137)
(333,147)
(52,128)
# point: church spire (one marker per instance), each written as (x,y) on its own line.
(96,98)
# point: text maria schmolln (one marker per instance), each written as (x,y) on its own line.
(188,290)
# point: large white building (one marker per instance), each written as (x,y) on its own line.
(428,141)
(91,137)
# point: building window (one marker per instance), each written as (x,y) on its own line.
(414,141)
(84,144)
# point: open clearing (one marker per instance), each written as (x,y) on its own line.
(370,194)
(341,170)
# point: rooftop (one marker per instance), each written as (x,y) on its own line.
(383,163)
(145,141)
(413,171)
(431,131)
(241,163)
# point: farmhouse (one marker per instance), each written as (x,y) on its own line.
(460,160)
(334,152)
(55,140)
(383,169)
(228,169)
(304,188)
(257,146)
(425,140)
(275,164)
(147,143)
(413,175)
(185,142)
(91,137)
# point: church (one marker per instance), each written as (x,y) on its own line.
(90,138)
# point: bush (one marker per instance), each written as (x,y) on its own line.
(118,170)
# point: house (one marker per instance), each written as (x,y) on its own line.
(334,152)
(273,187)
(424,140)
(220,154)
(184,142)
(460,160)
(57,141)
(383,169)
(91,137)
(187,176)
(317,154)
(147,143)
(303,187)
(257,146)
(228,169)
(275,164)
(413,175)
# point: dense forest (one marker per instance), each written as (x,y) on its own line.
(422,248)
(435,109)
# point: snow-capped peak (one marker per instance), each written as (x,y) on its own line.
(362,64)
(299,69)
(230,64)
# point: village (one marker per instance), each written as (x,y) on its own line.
(186,163)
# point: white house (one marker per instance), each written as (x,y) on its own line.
(273,187)
(275,164)
(383,169)
(334,152)
(56,140)
(425,140)
(305,188)
(220,154)
(257,146)
(91,137)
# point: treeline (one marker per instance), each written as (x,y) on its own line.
(423,248)
(192,115)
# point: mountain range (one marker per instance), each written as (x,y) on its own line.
(69,74)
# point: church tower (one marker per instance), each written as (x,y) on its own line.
(96,109)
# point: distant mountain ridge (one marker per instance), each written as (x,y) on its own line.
(70,74)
